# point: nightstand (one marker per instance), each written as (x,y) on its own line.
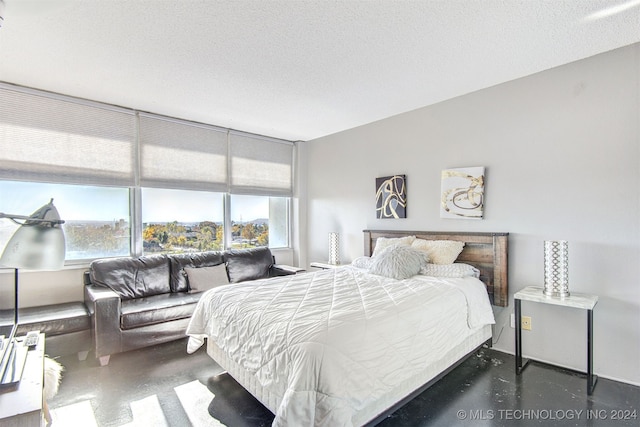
(574,300)
(324,265)
(289,268)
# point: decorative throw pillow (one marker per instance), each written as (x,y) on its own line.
(439,251)
(384,242)
(362,262)
(205,278)
(457,269)
(398,262)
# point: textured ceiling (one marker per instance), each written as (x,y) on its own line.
(297,69)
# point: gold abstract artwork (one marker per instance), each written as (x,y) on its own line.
(462,193)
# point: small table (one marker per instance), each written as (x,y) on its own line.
(574,300)
(324,265)
(290,268)
(23,404)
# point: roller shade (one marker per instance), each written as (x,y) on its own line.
(46,137)
(182,155)
(50,138)
(260,165)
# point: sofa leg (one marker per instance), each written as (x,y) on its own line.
(104,360)
(82,355)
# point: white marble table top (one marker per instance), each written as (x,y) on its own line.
(575,299)
(324,265)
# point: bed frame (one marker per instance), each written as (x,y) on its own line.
(485,251)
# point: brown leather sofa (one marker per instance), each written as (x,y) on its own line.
(138,302)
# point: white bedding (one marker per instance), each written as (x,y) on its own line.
(331,342)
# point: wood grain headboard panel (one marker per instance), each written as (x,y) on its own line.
(485,251)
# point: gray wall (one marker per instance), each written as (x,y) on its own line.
(561,152)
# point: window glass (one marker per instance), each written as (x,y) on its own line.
(259,221)
(175,221)
(97,221)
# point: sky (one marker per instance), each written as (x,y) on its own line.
(99,203)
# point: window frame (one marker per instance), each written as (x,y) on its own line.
(287,213)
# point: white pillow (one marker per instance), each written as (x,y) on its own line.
(205,278)
(398,262)
(362,262)
(384,242)
(450,270)
(439,251)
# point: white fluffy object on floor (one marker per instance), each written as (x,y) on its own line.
(52,376)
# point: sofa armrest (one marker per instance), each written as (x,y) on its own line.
(284,270)
(104,308)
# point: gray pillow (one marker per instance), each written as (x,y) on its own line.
(205,278)
(398,262)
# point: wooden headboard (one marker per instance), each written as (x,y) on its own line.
(485,251)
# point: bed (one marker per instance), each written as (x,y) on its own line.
(347,347)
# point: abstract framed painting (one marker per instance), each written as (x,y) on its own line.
(462,193)
(391,197)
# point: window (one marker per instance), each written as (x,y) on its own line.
(259,221)
(96,219)
(175,221)
(98,225)
(132,183)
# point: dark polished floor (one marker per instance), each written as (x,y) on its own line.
(162,385)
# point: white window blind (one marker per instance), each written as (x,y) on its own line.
(182,155)
(60,139)
(54,139)
(260,166)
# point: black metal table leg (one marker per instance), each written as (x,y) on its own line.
(519,364)
(591,379)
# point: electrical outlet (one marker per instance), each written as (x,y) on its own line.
(513,320)
(526,323)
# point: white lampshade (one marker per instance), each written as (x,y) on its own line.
(38,244)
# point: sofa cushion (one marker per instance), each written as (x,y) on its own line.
(178,281)
(132,277)
(157,309)
(248,264)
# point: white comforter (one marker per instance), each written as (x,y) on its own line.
(331,341)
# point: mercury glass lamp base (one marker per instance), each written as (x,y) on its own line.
(555,294)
